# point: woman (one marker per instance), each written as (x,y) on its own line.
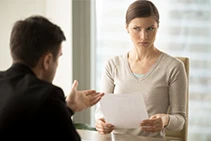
(146,68)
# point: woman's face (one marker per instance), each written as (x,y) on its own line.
(143,32)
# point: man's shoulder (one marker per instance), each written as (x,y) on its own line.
(45,85)
(19,81)
(28,86)
(45,89)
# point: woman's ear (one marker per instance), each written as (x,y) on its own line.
(126,26)
(47,61)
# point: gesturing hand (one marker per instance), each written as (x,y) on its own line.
(80,100)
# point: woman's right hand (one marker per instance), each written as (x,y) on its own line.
(103,127)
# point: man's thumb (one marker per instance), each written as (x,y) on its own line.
(75,85)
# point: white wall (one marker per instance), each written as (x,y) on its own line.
(58,11)
(10,11)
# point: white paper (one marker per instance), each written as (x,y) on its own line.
(124,110)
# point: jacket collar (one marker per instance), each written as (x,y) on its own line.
(20,68)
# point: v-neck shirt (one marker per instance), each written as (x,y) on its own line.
(164,85)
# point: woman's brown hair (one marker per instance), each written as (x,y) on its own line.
(141,8)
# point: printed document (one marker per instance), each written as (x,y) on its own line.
(124,110)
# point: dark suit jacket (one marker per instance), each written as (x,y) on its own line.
(30,107)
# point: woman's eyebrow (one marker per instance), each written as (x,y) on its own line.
(151,25)
(140,26)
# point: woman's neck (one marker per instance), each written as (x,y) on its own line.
(141,55)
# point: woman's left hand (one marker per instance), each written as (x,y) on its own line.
(156,123)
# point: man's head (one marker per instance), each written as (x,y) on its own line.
(36,42)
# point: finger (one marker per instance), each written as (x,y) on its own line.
(153,117)
(102,94)
(157,121)
(149,121)
(158,124)
(95,99)
(89,92)
(99,95)
(148,124)
(108,126)
(99,129)
(145,120)
(100,120)
(153,129)
(93,93)
(75,85)
(99,125)
(104,130)
(102,124)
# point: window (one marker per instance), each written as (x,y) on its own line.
(185,30)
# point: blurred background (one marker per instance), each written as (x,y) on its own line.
(95,31)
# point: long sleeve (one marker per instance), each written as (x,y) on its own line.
(163,86)
(177,97)
(32,108)
(107,86)
(56,117)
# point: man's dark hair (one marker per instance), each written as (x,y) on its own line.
(33,37)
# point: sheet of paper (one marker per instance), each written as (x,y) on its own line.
(124,110)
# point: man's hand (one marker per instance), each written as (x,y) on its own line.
(80,100)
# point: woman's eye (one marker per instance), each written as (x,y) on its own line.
(150,29)
(137,28)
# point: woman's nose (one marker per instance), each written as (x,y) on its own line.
(143,35)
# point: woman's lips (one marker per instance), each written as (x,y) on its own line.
(143,43)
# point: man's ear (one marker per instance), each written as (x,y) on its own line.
(47,60)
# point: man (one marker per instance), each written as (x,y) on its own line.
(30,105)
